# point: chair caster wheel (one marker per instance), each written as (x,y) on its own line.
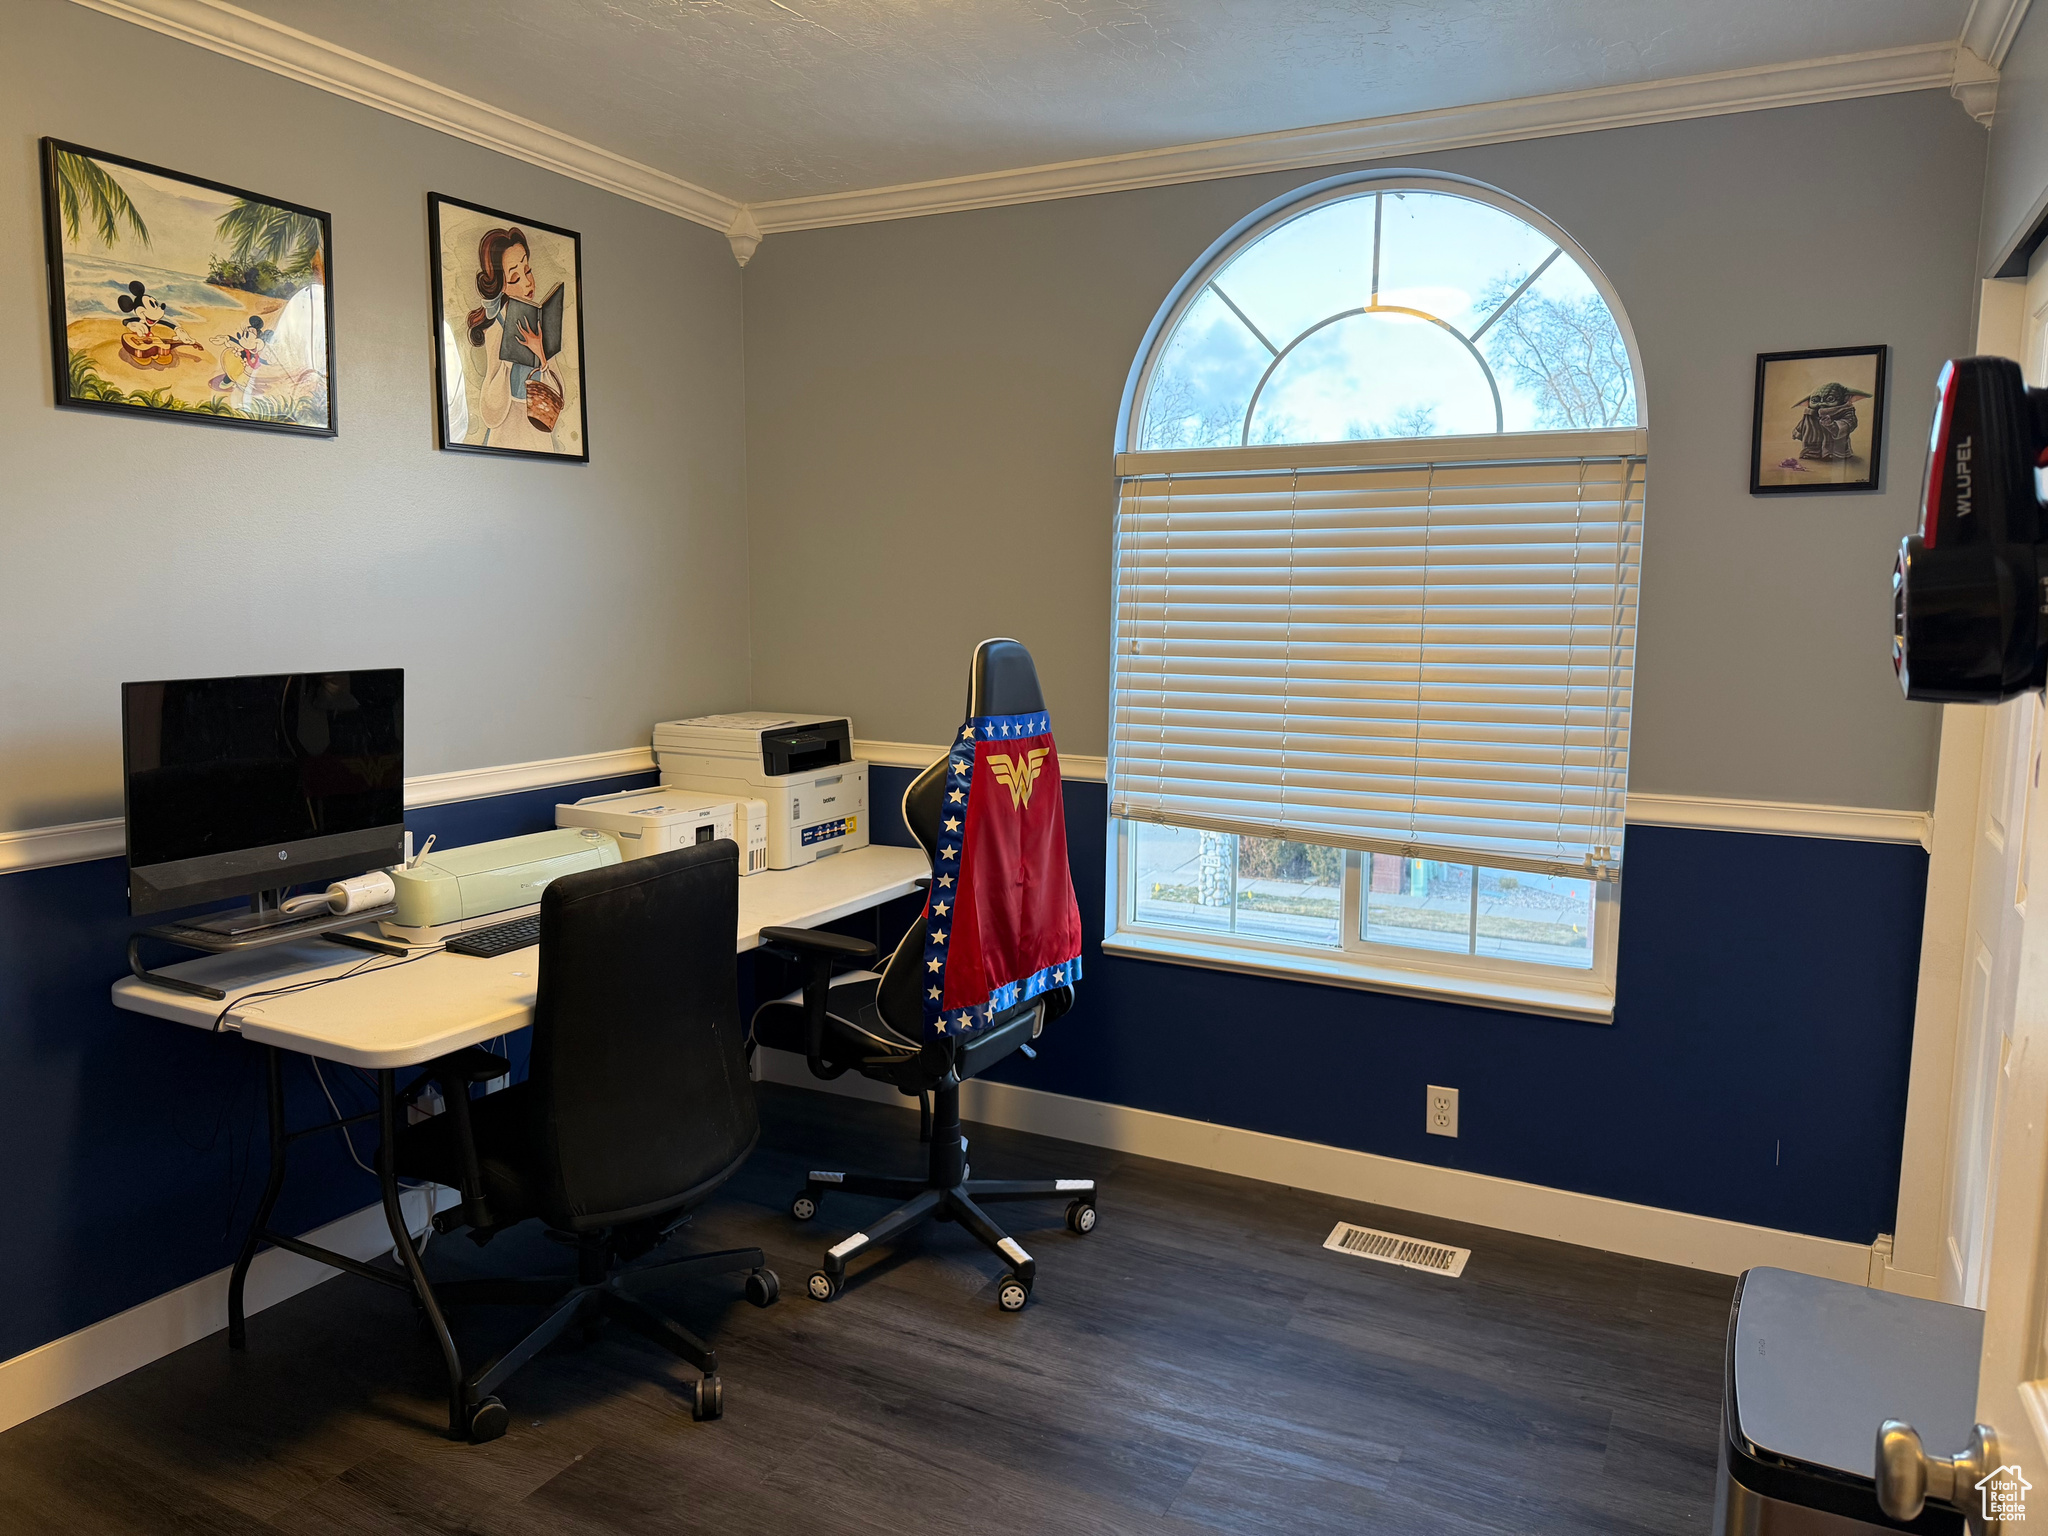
(1013,1293)
(824,1287)
(804,1206)
(487,1421)
(707,1401)
(762,1287)
(1081,1217)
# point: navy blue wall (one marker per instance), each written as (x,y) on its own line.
(134,1147)
(1755,1069)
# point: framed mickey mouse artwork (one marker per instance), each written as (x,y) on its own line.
(172,296)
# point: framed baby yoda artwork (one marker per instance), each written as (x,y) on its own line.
(1819,421)
(508,333)
(174,296)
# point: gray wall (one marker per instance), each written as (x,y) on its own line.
(931,405)
(540,609)
(2016,171)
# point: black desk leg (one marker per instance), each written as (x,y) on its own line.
(238,1322)
(401,1240)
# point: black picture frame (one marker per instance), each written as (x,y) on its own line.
(1781,471)
(448,440)
(80,387)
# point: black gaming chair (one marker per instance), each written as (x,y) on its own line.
(874,1024)
(638,1106)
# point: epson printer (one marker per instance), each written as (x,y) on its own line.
(802,765)
(651,821)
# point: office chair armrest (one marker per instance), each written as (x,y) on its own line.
(806,942)
(815,951)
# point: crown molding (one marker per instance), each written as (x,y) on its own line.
(1919,68)
(253,39)
(1991,26)
(257,40)
(1975,85)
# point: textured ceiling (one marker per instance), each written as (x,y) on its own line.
(764,99)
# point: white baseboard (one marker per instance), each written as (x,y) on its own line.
(68,1367)
(1590,1221)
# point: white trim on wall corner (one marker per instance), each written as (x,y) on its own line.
(1591,1221)
(481,783)
(910,754)
(1786,819)
(42,847)
(65,1368)
(1928,66)
(252,39)
(76,842)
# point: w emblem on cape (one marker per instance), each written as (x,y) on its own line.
(1019,774)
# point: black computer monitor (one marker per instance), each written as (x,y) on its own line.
(238,785)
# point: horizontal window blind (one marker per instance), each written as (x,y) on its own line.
(1426,659)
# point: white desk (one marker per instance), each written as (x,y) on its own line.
(386,1013)
(403,1012)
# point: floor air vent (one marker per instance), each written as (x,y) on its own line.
(1392,1248)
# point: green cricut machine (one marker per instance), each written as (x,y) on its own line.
(443,894)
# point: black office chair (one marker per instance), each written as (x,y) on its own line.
(638,1105)
(875,1025)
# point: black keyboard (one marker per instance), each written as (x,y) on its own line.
(500,939)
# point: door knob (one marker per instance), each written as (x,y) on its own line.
(1907,1477)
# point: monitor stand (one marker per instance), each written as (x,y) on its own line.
(265,910)
(262,923)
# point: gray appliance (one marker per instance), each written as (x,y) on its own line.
(1814,1367)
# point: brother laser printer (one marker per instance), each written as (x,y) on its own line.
(802,765)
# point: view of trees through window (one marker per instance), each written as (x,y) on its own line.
(1390,313)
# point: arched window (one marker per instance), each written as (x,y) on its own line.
(1413,309)
(1382,478)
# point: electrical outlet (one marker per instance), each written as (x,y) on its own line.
(1442,1111)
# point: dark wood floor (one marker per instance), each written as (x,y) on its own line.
(1198,1364)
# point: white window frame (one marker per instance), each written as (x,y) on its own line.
(1521,986)
(1512,985)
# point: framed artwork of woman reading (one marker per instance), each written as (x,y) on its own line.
(508,333)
